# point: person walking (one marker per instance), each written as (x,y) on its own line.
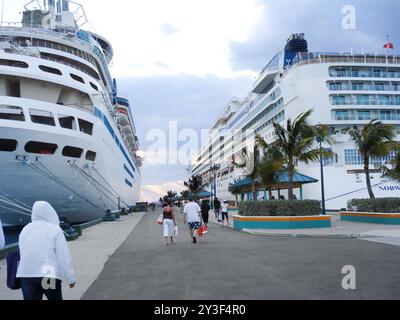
(217,209)
(45,256)
(205,212)
(2,238)
(169,223)
(192,218)
(225,212)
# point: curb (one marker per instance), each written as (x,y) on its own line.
(312,236)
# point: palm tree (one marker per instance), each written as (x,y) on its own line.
(393,173)
(195,185)
(296,143)
(251,162)
(269,170)
(374,140)
(185,194)
(170,196)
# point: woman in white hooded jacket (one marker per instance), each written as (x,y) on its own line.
(45,256)
(2,240)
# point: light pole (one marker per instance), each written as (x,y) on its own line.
(321,159)
(214,168)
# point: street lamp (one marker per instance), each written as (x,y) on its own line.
(320,140)
(214,168)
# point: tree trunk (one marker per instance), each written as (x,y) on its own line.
(270,194)
(290,173)
(368,178)
(254,192)
(237,200)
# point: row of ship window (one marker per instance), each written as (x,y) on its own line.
(366,115)
(354,158)
(365,99)
(42,117)
(24,65)
(364,86)
(371,72)
(42,148)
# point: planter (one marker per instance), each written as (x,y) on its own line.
(368,217)
(266,222)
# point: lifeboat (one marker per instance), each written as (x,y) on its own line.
(122,116)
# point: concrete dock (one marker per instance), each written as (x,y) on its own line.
(89,254)
(127,260)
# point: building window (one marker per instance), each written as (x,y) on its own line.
(42,117)
(91,156)
(85,127)
(72,152)
(11,113)
(7,145)
(50,70)
(41,148)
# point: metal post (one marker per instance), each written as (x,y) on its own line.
(322,180)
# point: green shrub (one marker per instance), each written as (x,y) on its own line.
(280,208)
(382,205)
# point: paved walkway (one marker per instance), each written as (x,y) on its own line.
(229,265)
(89,254)
(389,234)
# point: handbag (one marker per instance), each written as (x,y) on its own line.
(176,231)
(13,260)
(160,219)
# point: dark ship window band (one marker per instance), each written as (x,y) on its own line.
(129,183)
(129,172)
(91,156)
(12,113)
(72,152)
(13,63)
(8,145)
(41,148)
(50,70)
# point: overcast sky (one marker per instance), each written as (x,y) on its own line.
(184,60)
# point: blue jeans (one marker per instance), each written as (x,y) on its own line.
(32,290)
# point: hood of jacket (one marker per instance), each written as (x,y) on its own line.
(43,211)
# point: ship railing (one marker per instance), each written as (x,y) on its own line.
(63,35)
(21,51)
(326,58)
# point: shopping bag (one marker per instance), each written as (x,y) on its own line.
(203,230)
(176,231)
(160,219)
(13,260)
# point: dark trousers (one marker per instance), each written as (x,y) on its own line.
(206,217)
(32,290)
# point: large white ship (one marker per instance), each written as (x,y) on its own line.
(66,135)
(345,90)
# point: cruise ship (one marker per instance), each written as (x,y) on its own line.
(345,90)
(67,136)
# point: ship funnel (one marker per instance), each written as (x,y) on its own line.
(295,45)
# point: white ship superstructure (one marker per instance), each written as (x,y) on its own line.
(344,90)
(66,135)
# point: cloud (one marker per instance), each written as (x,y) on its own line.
(321,21)
(192,101)
(151,193)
